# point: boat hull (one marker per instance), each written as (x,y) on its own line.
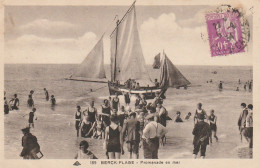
(148,92)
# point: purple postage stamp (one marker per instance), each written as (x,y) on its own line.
(225,34)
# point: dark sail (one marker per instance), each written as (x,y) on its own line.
(157,63)
(170,75)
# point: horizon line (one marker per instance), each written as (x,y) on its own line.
(109,64)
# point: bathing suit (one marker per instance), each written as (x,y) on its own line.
(114,140)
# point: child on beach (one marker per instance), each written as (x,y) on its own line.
(84,153)
(30,102)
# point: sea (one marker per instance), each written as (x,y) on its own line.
(55,127)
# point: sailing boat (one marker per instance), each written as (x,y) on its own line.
(92,67)
(127,62)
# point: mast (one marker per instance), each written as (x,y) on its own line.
(117,23)
(116,29)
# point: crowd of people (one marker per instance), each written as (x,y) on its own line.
(119,125)
(145,125)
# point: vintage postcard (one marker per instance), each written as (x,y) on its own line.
(130,83)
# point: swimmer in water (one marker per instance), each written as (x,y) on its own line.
(30,102)
(53,100)
(188,116)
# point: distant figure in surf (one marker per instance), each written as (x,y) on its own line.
(245,86)
(213,125)
(53,100)
(6,106)
(237,89)
(250,87)
(31,92)
(188,116)
(220,86)
(14,103)
(178,117)
(30,102)
(239,82)
(46,94)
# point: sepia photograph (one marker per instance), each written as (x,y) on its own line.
(128,81)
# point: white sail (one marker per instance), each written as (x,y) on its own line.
(127,60)
(92,67)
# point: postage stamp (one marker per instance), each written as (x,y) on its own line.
(225,33)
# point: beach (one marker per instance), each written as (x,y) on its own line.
(55,128)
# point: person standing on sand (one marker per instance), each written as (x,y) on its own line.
(152,134)
(114,138)
(132,128)
(78,120)
(242,119)
(46,94)
(30,145)
(249,125)
(199,110)
(213,125)
(201,134)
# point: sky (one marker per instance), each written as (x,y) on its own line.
(65,34)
